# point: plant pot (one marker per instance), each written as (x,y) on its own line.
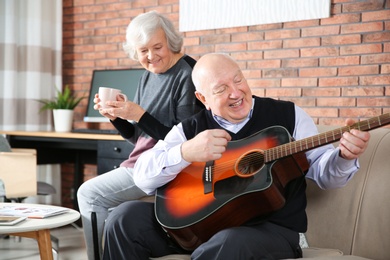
(63,120)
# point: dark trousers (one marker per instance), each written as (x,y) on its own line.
(132,232)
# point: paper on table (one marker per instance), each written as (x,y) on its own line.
(10,220)
(31,211)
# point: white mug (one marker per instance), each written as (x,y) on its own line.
(109,94)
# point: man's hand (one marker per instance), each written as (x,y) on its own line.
(353,143)
(206,146)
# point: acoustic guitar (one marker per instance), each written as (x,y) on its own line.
(247,181)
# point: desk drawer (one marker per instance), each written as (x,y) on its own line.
(107,164)
(115,149)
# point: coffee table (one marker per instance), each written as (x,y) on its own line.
(39,229)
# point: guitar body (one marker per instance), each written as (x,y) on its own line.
(208,197)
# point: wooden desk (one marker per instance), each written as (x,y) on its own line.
(77,148)
(39,229)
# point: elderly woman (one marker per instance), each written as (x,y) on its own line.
(165,96)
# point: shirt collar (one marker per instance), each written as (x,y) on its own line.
(234,127)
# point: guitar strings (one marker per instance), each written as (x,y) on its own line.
(287,149)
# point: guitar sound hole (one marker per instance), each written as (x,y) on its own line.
(250,164)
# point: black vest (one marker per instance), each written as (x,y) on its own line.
(266,113)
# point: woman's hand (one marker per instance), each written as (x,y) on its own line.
(126,110)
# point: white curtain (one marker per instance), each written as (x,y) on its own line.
(30,69)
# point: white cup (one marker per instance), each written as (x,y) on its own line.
(109,94)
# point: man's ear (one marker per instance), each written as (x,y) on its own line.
(201,98)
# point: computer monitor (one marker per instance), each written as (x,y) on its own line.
(124,79)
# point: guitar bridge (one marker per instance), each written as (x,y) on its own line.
(208,177)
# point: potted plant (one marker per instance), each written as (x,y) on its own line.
(62,107)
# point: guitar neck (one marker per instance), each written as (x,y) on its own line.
(315,141)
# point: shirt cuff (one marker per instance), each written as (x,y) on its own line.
(175,162)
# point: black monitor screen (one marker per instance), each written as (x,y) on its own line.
(124,79)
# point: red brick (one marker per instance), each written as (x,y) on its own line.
(265,45)
(107,63)
(230,47)
(362,6)
(282,34)
(93,55)
(144,3)
(385,69)
(375,16)
(387,25)
(321,51)
(375,80)
(360,49)
(362,27)
(265,27)
(375,58)
(302,42)
(299,82)
(264,83)
(274,54)
(339,81)
(377,37)
(251,74)
(231,30)
(339,61)
(247,36)
(198,33)
(83,33)
(277,73)
(83,17)
(341,40)
(248,55)
(321,31)
(301,24)
(214,39)
(358,70)
(106,47)
(335,8)
(337,122)
(258,92)
(321,92)
(362,91)
(300,62)
(336,102)
(322,112)
(317,72)
(387,91)
(283,92)
(92,9)
(116,55)
(386,47)
(341,19)
(302,101)
(83,63)
(95,24)
(263,64)
(373,102)
(191,41)
(359,113)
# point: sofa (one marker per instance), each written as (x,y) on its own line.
(353,222)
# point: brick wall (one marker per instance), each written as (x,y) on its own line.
(333,68)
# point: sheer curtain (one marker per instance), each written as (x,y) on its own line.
(30,68)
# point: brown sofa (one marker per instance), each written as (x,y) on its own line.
(352,222)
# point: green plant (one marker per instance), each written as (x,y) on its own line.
(64,100)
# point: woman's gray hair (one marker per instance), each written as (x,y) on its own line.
(141,29)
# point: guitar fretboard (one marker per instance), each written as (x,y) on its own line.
(323,138)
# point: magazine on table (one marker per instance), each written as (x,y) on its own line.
(30,211)
(10,220)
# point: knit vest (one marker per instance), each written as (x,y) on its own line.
(266,113)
